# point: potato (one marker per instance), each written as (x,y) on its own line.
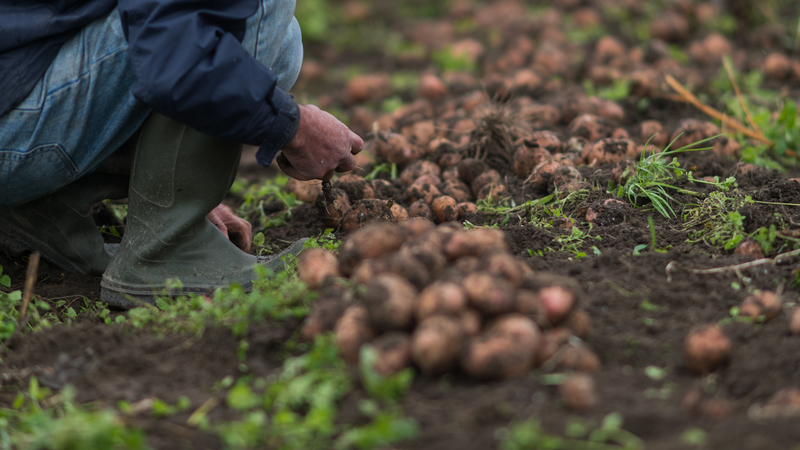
(669,26)
(558,301)
(547,140)
(474,242)
(364,212)
(762,306)
(470,321)
(610,151)
(612,208)
(448,160)
(432,258)
(305,191)
(372,241)
(393,351)
(432,87)
(417,169)
(436,344)
(527,156)
(566,174)
(369,87)
(389,298)
(690,131)
(456,189)
(579,322)
(405,263)
(356,187)
(332,207)
(444,208)
(400,151)
(440,298)
(623,171)
(385,189)
(417,226)
(451,173)
(399,213)
(504,265)
(578,357)
(590,127)
(541,177)
(420,209)
(323,317)
(421,132)
(496,356)
(522,329)
(551,343)
(528,303)
(488,294)
(466,209)
(493,192)
(653,132)
(351,331)
(315,265)
(705,348)
(466,265)
(777,65)
(422,191)
(579,392)
(470,168)
(487,177)
(794,322)
(368,269)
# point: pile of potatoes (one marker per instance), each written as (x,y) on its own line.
(444,299)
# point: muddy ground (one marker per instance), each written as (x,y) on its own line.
(640,310)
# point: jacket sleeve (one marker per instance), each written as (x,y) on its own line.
(189,65)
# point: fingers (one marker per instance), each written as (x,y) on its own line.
(347,163)
(356,143)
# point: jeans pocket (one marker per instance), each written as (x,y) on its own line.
(27,175)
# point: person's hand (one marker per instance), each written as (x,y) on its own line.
(238,230)
(323,145)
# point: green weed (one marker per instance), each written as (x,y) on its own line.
(256,198)
(578,434)
(618,90)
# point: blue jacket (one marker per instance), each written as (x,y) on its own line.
(186,56)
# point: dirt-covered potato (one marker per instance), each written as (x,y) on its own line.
(384,189)
(305,191)
(527,303)
(487,177)
(471,322)
(558,301)
(356,187)
(470,168)
(322,317)
(577,357)
(466,208)
(364,212)
(540,179)
(399,213)
(493,192)
(794,322)
(761,306)
(399,150)
(431,87)
(456,189)
(389,298)
(421,191)
(332,206)
(351,331)
(372,241)
(315,265)
(421,210)
(474,242)
(496,356)
(705,348)
(590,127)
(652,131)
(566,174)
(527,156)
(417,226)
(488,294)
(417,169)
(393,352)
(579,392)
(579,323)
(690,131)
(609,150)
(444,208)
(623,171)
(519,327)
(504,265)
(437,343)
(440,298)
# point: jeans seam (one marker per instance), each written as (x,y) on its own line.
(81,77)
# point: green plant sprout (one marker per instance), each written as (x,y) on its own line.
(652,175)
(578,434)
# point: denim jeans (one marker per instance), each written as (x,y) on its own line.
(82,110)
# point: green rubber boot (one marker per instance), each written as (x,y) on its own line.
(179,175)
(61,227)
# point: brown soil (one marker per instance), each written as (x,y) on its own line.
(112,363)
